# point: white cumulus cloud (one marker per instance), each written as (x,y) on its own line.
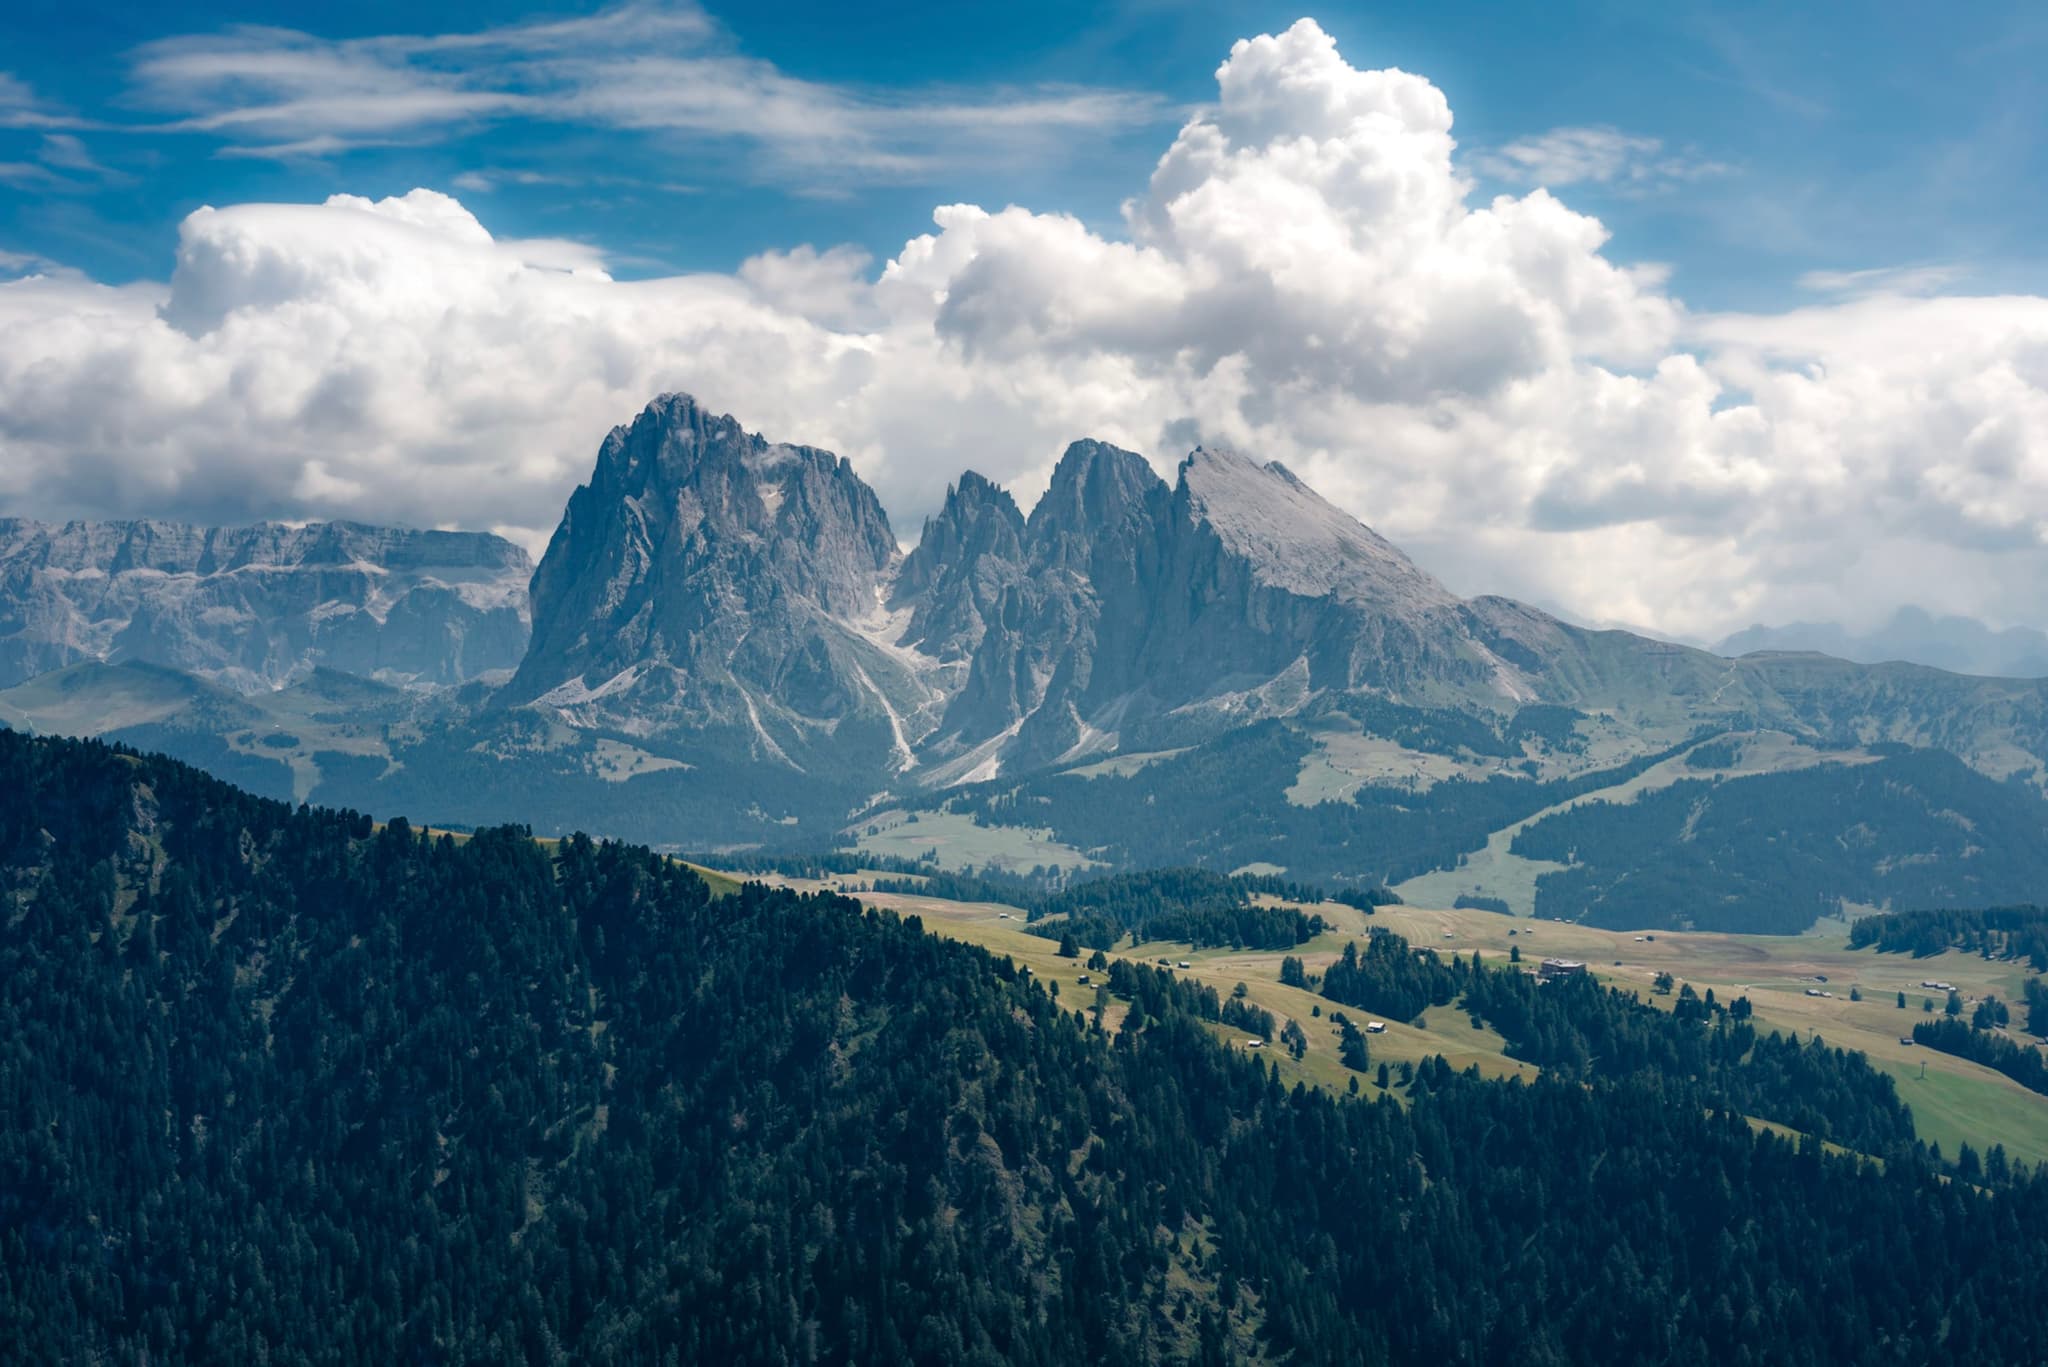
(1308,274)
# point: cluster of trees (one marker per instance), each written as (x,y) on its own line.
(1389,978)
(1575,1028)
(1715,754)
(1771,853)
(2020,1062)
(1473,901)
(2019,932)
(1240,1013)
(1445,730)
(286,1088)
(1553,724)
(1352,1049)
(1193,906)
(1368,900)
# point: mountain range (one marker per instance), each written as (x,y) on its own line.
(258,607)
(1960,644)
(710,584)
(729,648)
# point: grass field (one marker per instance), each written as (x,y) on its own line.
(722,884)
(1957,1100)
(961,843)
(1953,1101)
(1346,760)
(1000,929)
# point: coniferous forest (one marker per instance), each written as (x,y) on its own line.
(282,1086)
(1996,932)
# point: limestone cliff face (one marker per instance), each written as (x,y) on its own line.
(718,590)
(713,587)
(1088,557)
(970,556)
(1135,608)
(708,581)
(257,607)
(1299,598)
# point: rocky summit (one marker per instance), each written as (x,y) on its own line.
(712,588)
(261,606)
(711,583)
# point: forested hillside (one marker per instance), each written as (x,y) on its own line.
(1772,853)
(1223,805)
(1995,932)
(281,1087)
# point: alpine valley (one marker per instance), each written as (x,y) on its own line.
(725,648)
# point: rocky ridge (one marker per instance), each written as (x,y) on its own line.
(257,607)
(715,588)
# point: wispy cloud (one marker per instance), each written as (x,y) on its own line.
(1748,64)
(20,107)
(487,180)
(61,163)
(659,70)
(1598,155)
(69,152)
(30,175)
(1883,280)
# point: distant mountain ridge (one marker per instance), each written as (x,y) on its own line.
(259,606)
(729,646)
(1959,644)
(710,586)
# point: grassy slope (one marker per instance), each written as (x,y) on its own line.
(963,844)
(1955,1102)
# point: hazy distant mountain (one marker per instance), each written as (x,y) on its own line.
(255,607)
(1960,644)
(729,648)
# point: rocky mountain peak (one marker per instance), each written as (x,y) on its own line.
(688,517)
(954,580)
(665,442)
(711,580)
(979,519)
(1096,490)
(1294,539)
(746,595)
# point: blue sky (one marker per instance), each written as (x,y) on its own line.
(1798,139)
